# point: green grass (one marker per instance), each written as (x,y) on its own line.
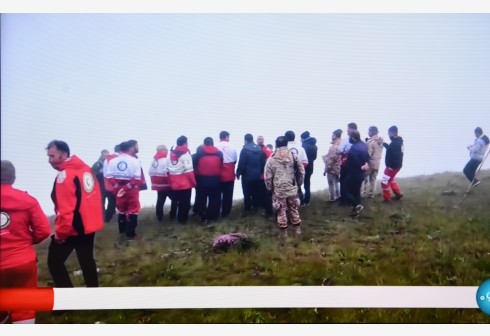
(426,239)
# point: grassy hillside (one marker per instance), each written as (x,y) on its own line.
(424,239)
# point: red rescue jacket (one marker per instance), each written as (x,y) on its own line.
(23,225)
(77,200)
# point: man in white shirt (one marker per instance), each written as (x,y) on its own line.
(227,176)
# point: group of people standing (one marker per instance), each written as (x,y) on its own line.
(352,166)
(271,179)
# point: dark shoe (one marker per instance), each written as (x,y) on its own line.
(398,197)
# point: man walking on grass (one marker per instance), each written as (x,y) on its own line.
(477,154)
(393,162)
(78,206)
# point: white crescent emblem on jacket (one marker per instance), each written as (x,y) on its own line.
(155,163)
(88,182)
(5,220)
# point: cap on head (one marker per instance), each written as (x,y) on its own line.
(305,135)
(7,172)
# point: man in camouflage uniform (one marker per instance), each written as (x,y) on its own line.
(283,176)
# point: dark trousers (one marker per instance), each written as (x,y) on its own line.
(208,202)
(111,206)
(352,189)
(252,194)
(59,252)
(226,197)
(161,198)
(343,175)
(182,200)
(470,169)
(307,184)
(267,199)
(127,224)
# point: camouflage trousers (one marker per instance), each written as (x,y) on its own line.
(286,210)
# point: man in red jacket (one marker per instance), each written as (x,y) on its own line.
(78,206)
(23,224)
(208,163)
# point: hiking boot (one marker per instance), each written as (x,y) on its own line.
(398,197)
(475,183)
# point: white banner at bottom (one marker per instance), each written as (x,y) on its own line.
(265,297)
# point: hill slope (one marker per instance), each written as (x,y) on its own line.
(425,239)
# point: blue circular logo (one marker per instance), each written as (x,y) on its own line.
(483,297)
(122,166)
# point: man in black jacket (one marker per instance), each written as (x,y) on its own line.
(250,168)
(97,169)
(393,162)
(309,144)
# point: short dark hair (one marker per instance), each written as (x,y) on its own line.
(7,172)
(281,141)
(479,130)
(373,130)
(208,141)
(290,136)
(355,135)
(352,126)
(249,137)
(181,140)
(117,148)
(124,146)
(305,135)
(223,135)
(132,143)
(393,129)
(337,133)
(60,145)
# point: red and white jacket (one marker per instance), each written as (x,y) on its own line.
(108,187)
(77,200)
(23,224)
(159,172)
(125,172)
(230,157)
(180,169)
